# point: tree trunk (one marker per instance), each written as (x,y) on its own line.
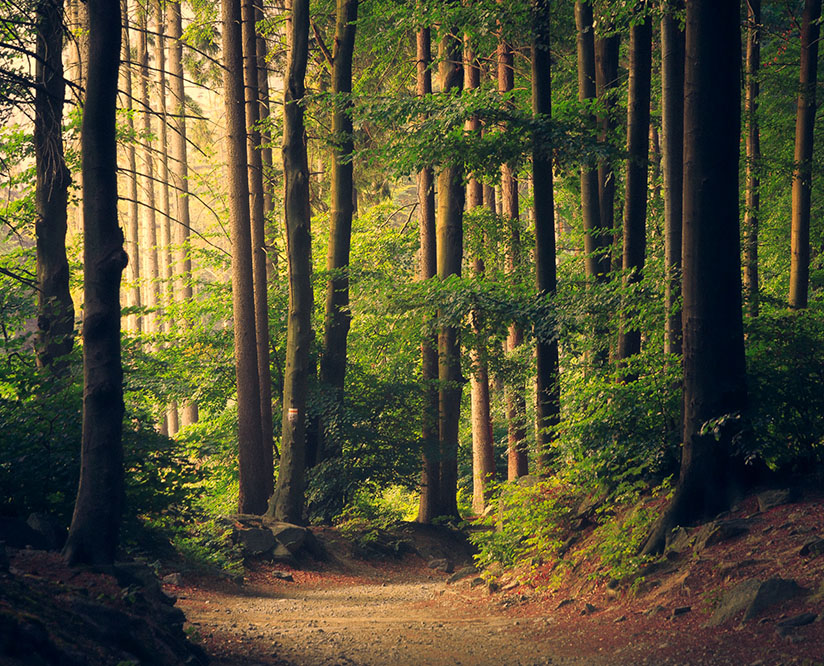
(548,403)
(752,196)
(55,310)
(635,206)
(606,80)
(337,315)
(288,499)
(713,358)
(803,159)
(449,256)
(258,220)
(672,132)
(255,476)
(430,475)
(266,141)
(93,535)
(180,174)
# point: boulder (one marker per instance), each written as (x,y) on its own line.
(719,531)
(283,555)
(812,548)
(291,536)
(442,564)
(753,597)
(141,576)
(254,541)
(49,528)
(772,498)
(460,574)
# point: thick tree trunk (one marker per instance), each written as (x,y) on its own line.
(337,315)
(449,257)
(672,131)
(635,206)
(258,219)
(55,310)
(93,535)
(752,196)
(713,357)
(430,475)
(803,158)
(180,174)
(606,80)
(266,141)
(288,500)
(255,476)
(548,402)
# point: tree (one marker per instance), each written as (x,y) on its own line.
(713,358)
(254,474)
(288,499)
(802,161)
(55,310)
(93,536)
(752,196)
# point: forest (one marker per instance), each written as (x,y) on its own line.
(543,276)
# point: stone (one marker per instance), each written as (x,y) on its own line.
(254,541)
(141,576)
(17,534)
(49,528)
(475,582)
(289,535)
(588,609)
(753,597)
(441,564)
(812,548)
(460,574)
(283,575)
(564,602)
(720,531)
(678,540)
(772,498)
(173,579)
(800,620)
(620,618)
(282,555)
(681,610)
(4,558)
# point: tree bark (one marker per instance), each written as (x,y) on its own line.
(635,206)
(430,475)
(93,536)
(606,80)
(266,142)
(449,257)
(55,310)
(672,159)
(713,357)
(337,314)
(258,221)
(548,403)
(803,158)
(752,196)
(288,499)
(254,474)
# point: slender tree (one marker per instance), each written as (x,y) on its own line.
(802,169)
(254,480)
(55,310)
(266,139)
(672,131)
(752,195)
(288,499)
(606,82)
(93,536)
(713,358)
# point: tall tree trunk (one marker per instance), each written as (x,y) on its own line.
(180,173)
(590,204)
(337,315)
(517,459)
(93,535)
(258,218)
(672,131)
(548,402)
(55,310)
(606,80)
(288,499)
(449,256)
(483,453)
(713,358)
(802,171)
(266,139)
(635,206)
(752,196)
(430,475)
(255,481)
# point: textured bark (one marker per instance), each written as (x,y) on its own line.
(258,220)
(713,358)
(672,162)
(548,402)
(803,157)
(254,480)
(266,140)
(606,80)
(337,315)
(430,475)
(55,310)
(752,196)
(449,234)
(93,535)
(635,206)
(180,176)
(288,500)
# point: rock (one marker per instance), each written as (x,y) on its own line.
(442,564)
(620,618)
(4,558)
(49,528)
(173,579)
(588,609)
(564,602)
(772,498)
(528,480)
(753,597)
(141,576)
(254,541)
(460,574)
(678,540)
(655,610)
(283,575)
(281,554)
(681,610)
(720,531)
(812,548)
(797,621)
(475,582)
(17,534)
(289,535)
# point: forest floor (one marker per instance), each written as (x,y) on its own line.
(349,611)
